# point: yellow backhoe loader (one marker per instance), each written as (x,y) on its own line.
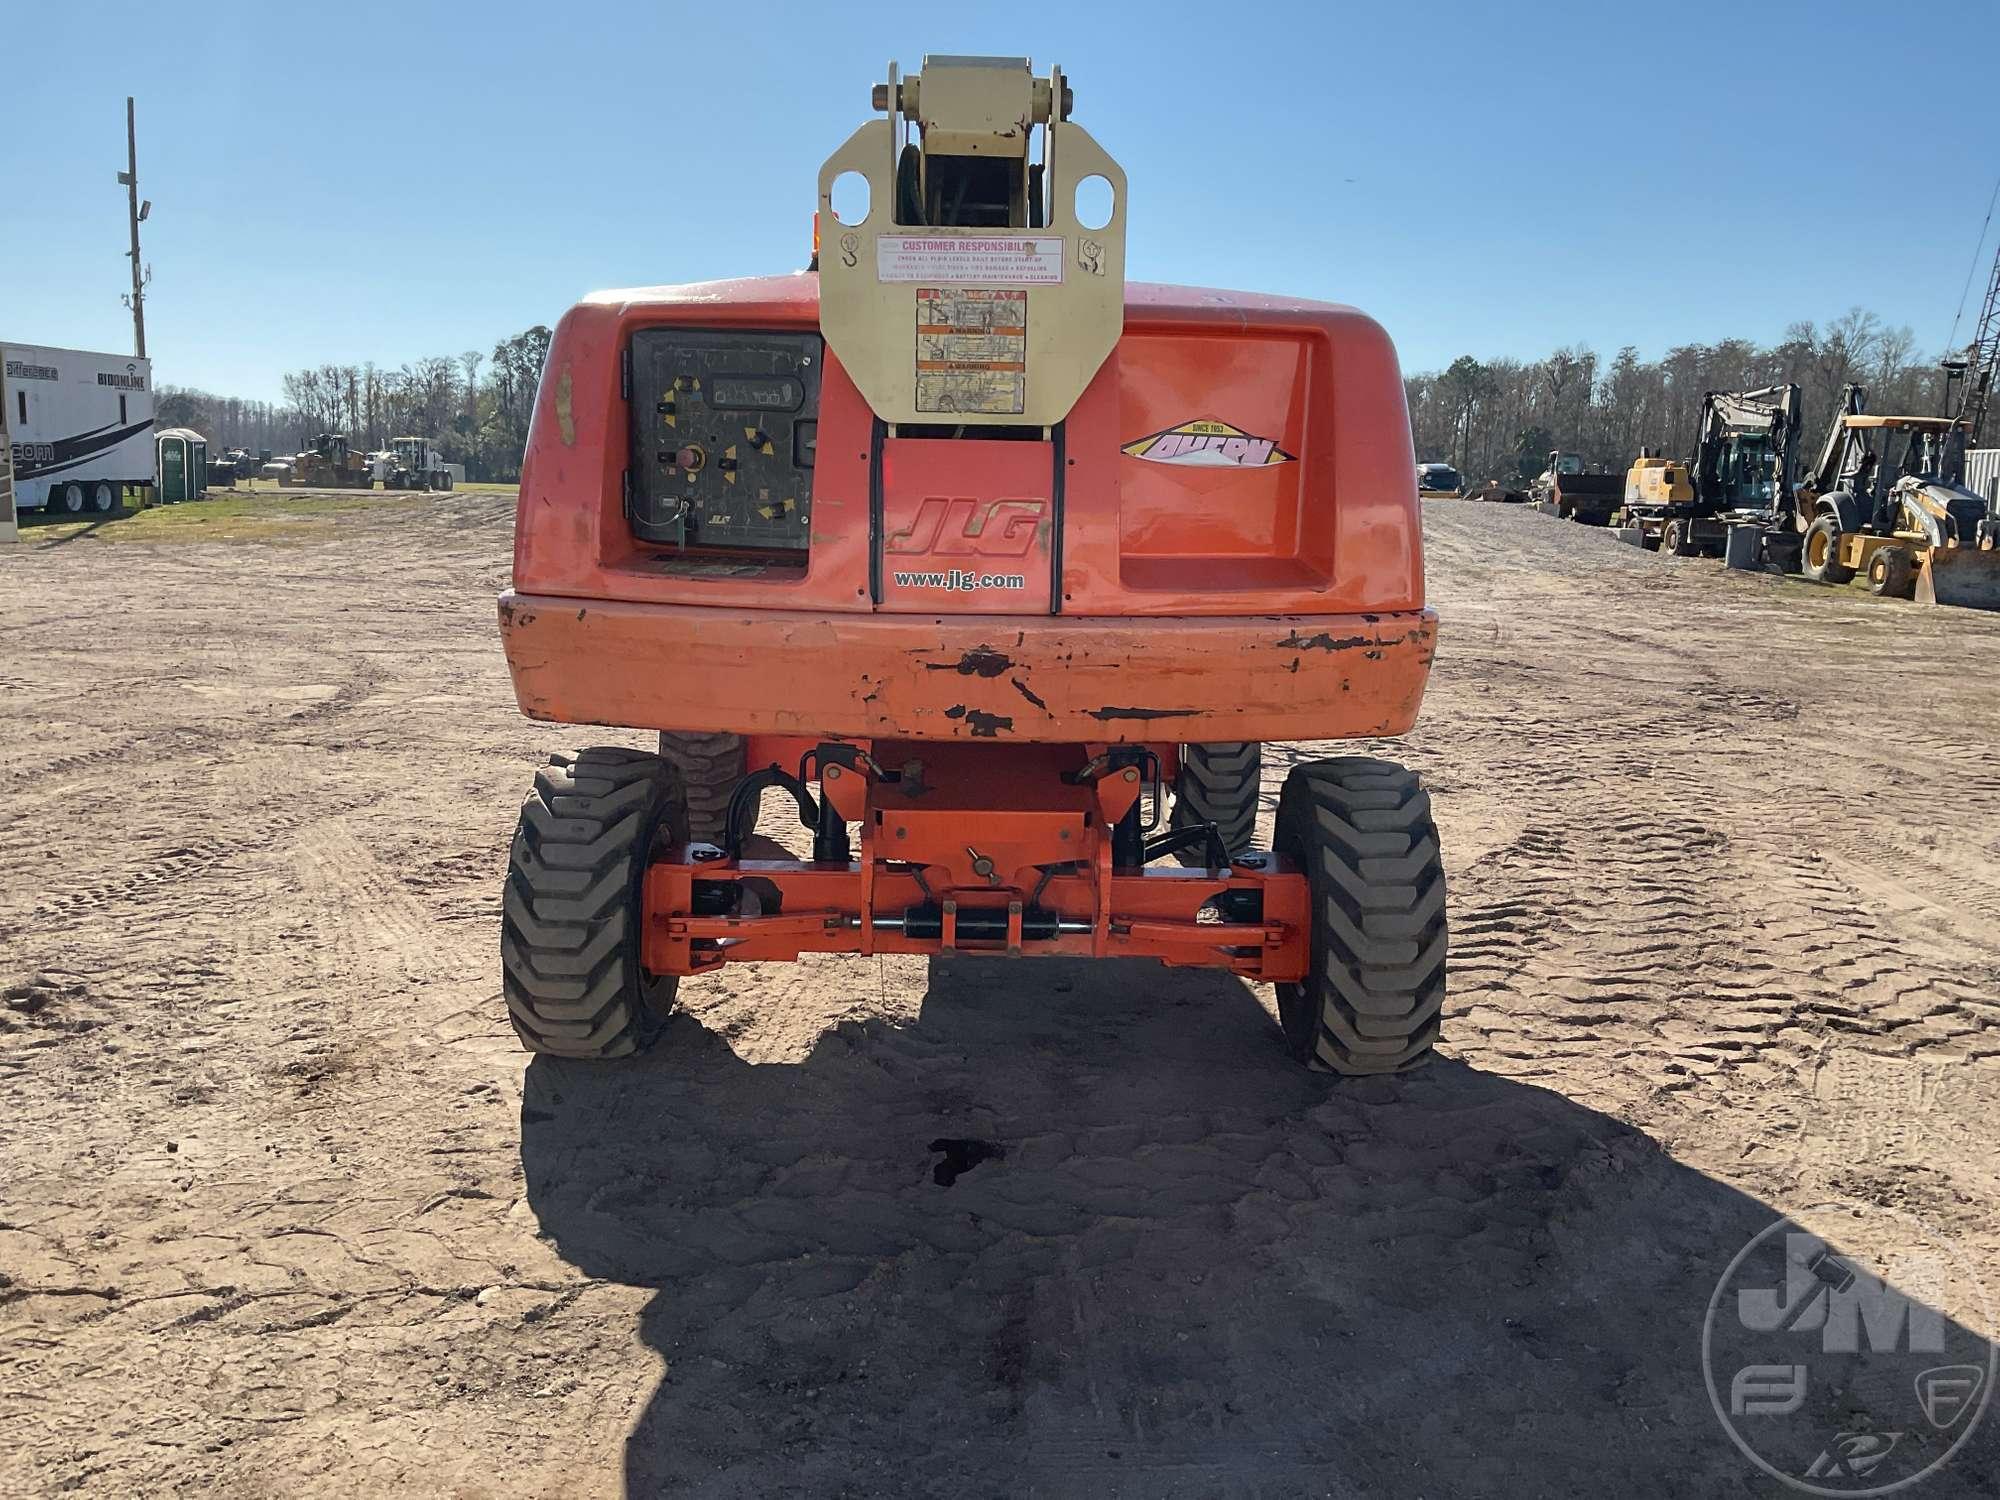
(1886,502)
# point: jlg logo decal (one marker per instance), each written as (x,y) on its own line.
(970,528)
(1208,444)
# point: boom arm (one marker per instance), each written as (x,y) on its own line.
(1980,358)
(1771,413)
(1825,476)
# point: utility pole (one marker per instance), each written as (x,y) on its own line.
(129,179)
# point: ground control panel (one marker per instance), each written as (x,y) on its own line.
(723,426)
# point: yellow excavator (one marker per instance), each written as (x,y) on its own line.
(1887,501)
(1741,474)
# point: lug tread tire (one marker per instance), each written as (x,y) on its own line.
(710,765)
(1831,569)
(569,929)
(1892,573)
(1218,784)
(1363,831)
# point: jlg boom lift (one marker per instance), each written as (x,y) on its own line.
(977,553)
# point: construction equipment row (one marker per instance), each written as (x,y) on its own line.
(331,463)
(1910,503)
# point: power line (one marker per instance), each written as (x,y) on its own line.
(1978,256)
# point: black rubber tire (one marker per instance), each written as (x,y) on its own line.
(710,765)
(1824,533)
(1361,828)
(570,920)
(1218,784)
(1677,540)
(1892,573)
(910,186)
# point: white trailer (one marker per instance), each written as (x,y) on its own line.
(1982,477)
(77,426)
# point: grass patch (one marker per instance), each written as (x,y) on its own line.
(259,516)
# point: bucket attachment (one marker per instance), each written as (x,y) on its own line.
(1968,577)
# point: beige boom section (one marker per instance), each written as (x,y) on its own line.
(971,292)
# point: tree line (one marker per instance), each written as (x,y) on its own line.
(1500,418)
(1495,418)
(481,423)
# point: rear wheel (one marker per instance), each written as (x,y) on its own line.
(1892,573)
(1361,828)
(571,917)
(1678,540)
(71,496)
(1819,559)
(710,766)
(103,498)
(1218,784)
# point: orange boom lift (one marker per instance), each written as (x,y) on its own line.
(1002,571)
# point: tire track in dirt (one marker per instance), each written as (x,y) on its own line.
(364,676)
(371,928)
(166,877)
(285,1213)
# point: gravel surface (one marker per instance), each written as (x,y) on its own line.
(283,1211)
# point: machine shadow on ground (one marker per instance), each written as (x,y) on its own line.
(1187,1267)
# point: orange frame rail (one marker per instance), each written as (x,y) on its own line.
(976,850)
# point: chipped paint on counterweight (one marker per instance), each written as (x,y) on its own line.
(565,410)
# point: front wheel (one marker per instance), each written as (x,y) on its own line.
(1678,539)
(1892,573)
(571,917)
(1362,831)
(1819,560)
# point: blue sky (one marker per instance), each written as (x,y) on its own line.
(389,181)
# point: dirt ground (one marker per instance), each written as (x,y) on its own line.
(284,1212)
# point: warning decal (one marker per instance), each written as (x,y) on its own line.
(1208,444)
(1027,260)
(972,350)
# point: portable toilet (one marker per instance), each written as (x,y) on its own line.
(183,464)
